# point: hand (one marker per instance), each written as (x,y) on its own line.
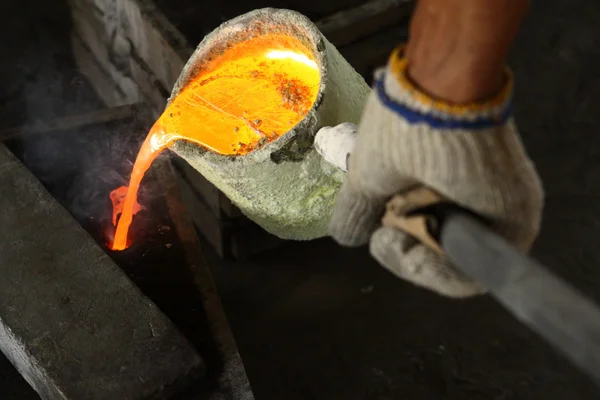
(471,155)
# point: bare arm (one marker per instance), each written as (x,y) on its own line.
(457,48)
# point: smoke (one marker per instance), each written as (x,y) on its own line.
(39,81)
(81,167)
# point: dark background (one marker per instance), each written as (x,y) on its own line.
(314,321)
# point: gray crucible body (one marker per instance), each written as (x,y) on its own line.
(283,186)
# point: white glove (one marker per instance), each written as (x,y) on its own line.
(470,154)
(336,143)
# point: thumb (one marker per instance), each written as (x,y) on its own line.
(361,202)
(372,178)
(410,260)
(362,198)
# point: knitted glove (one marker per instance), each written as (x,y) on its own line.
(469,154)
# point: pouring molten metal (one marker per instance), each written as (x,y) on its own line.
(253,93)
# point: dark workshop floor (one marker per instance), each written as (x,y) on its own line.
(314,321)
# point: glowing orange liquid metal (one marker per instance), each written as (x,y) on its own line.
(255,91)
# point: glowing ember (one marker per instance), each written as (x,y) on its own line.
(254,92)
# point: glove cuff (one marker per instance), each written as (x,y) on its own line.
(401,96)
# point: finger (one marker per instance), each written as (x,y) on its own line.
(360,206)
(355,216)
(408,259)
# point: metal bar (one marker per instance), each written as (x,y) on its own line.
(71,321)
(544,302)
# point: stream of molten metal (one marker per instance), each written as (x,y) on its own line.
(251,94)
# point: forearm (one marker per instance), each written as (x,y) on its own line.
(457,49)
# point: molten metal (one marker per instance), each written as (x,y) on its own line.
(117,198)
(252,93)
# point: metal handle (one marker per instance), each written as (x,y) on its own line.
(549,306)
